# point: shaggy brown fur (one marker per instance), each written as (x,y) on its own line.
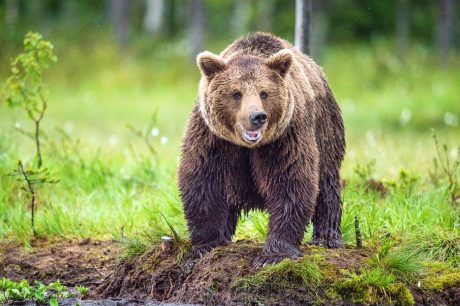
(287,163)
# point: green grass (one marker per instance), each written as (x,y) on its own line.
(402,263)
(438,245)
(112,186)
(284,277)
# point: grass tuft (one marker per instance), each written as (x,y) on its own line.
(373,286)
(402,263)
(438,245)
(287,276)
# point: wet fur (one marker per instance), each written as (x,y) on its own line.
(293,173)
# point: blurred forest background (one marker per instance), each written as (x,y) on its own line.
(121,46)
(126,79)
(143,25)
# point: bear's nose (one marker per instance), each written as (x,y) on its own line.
(258,118)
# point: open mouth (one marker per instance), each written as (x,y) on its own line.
(252,136)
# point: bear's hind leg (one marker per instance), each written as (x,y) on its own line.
(328,212)
(233,216)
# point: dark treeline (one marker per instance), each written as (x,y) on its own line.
(432,22)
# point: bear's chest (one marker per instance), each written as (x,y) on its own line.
(240,188)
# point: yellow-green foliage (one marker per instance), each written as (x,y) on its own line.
(441,281)
(439,276)
(373,286)
(285,275)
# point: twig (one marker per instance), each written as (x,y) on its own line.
(449,170)
(102,274)
(32,192)
(37,122)
(359,237)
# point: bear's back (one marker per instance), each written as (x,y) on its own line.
(258,44)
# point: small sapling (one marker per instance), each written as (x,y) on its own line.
(25,87)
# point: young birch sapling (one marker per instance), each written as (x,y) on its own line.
(25,87)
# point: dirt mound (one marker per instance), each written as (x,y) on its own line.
(212,279)
(223,276)
(74,262)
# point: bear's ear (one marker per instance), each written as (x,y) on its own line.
(280,61)
(210,64)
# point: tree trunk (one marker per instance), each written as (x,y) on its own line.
(444,30)
(196,28)
(119,11)
(302,25)
(153,17)
(402,28)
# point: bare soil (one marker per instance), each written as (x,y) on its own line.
(157,276)
(74,262)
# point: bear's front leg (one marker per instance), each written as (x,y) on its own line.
(289,213)
(290,187)
(206,211)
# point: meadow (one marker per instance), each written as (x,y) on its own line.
(115,120)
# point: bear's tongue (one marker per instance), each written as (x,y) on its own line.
(252,136)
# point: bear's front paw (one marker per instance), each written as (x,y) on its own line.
(275,250)
(332,243)
(263,260)
(200,250)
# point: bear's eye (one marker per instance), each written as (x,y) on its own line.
(263,95)
(237,95)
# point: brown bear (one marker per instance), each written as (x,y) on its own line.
(265,133)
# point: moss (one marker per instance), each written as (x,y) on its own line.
(400,294)
(329,271)
(352,289)
(440,282)
(439,275)
(372,287)
(319,302)
(285,274)
(436,266)
(296,279)
(315,249)
(215,285)
(331,294)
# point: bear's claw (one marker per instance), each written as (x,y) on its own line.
(328,243)
(200,250)
(263,260)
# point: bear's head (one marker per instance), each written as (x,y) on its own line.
(245,99)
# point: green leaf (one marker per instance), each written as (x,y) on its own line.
(54,302)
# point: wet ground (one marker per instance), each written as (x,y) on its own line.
(74,262)
(162,278)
